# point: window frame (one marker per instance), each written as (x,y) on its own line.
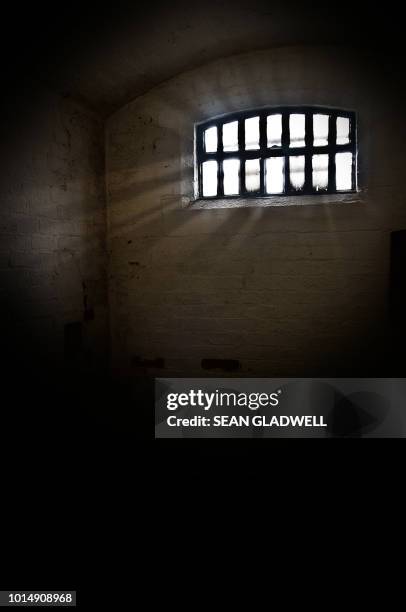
(264,152)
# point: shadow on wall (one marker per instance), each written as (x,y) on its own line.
(291,291)
(54,317)
(181,294)
(250,292)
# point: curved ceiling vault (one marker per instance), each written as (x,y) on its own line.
(107,57)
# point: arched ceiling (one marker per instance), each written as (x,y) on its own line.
(106,57)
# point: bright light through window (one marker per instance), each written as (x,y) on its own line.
(290,151)
(297,130)
(320,172)
(297,171)
(252,175)
(275,178)
(274,130)
(343,171)
(210,140)
(230,136)
(343,130)
(231,169)
(252,133)
(209,172)
(320,130)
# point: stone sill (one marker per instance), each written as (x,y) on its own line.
(278,201)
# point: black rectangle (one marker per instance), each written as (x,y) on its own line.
(12,599)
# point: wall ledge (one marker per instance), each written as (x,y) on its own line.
(278,201)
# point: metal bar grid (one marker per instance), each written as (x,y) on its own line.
(285,150)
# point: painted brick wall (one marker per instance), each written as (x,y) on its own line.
(294,289)
(52,226)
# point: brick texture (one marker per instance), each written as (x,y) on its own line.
(53,227)
(299,288)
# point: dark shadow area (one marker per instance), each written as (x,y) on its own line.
(397,302)
(78,459)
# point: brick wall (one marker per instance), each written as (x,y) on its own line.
(52,226)
(295,289)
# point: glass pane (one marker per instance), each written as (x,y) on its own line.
(275,177)
(343,171)
(210,140)
(252,133)
(320,172)
(209,176)
(252,179)
(297,130)
(297,172)
(320,130)
(231,170)
(343,130)
(274,130)
(230,136)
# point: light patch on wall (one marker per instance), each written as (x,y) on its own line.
(320,172)
(209,178)
(252,133)
(320,130)
(210,140)
(343,171)
(230,136)
(274,130)
(297,130)
(231,170)
(343,130)
(252,179)
(297,171)
(274,176)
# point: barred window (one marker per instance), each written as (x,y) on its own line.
(277,151)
